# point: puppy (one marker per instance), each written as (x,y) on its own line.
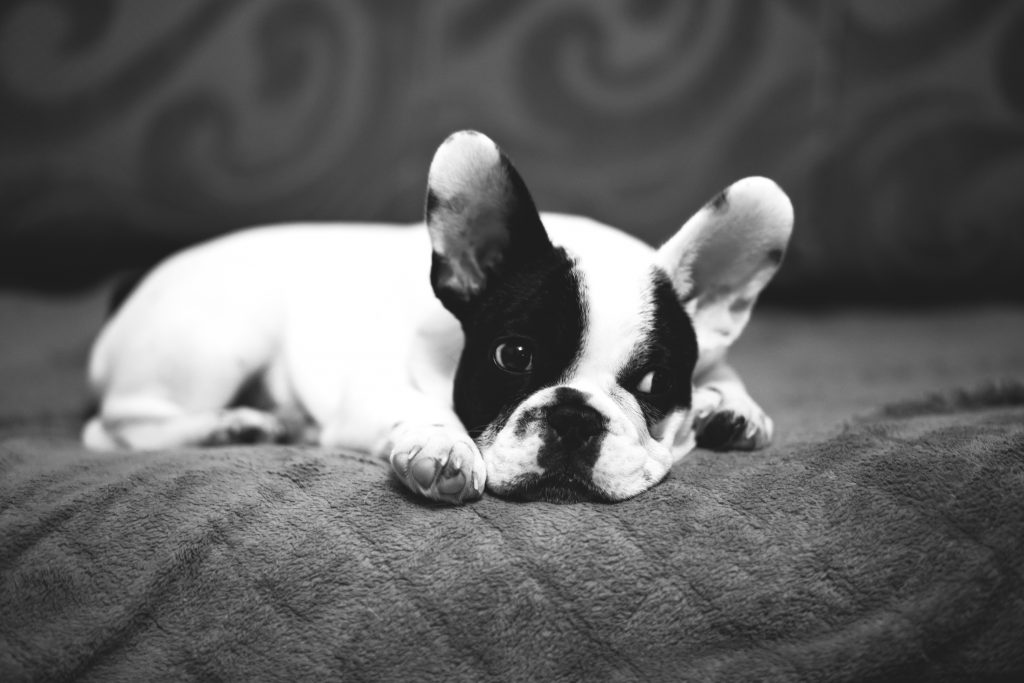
(550,357)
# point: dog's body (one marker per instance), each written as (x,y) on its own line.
(547,356)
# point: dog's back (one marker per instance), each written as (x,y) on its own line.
(207,320)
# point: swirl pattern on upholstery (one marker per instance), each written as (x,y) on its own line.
(131,129)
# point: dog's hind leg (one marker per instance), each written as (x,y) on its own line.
(189,398)
(178,429)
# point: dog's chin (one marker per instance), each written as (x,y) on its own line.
(524,462)
(624,469)
(561,487)
(567,485)
(557,487)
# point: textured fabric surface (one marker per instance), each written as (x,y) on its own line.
(891,550)
(131,128)
(867,544)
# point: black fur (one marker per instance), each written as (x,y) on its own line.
(431,204)
(574,429)
(530,291)
(669,348)
(720,202)
(572,436)
(523,229)
(569,451)
(722,430)
(540,301)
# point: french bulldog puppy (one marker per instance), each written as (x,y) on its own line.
(539,356)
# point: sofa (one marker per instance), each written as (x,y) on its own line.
(879,537)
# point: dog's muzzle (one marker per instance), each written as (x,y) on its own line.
(571,433)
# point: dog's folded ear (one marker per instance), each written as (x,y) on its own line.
(723,257)
(481,218)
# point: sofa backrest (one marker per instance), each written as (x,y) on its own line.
(130,129)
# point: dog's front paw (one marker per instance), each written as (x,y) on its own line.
(728,420)
(438,462)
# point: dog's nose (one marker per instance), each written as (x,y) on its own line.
(575,424)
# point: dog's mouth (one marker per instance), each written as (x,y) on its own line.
(562,448)
(553,487)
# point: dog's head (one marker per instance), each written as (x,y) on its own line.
(581,343)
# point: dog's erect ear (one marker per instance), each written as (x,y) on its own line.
(481,219)
(723,257)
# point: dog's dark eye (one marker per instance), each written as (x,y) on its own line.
(514,355)
(655,383)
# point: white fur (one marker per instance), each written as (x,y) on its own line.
(279,300)
(615,270)
(734,242)
(341,323)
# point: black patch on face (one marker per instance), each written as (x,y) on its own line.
(670,350)
(775,256)
(540,300)
(572,433)
(720,203)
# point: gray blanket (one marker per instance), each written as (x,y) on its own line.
(894,549)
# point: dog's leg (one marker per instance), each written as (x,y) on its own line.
(726,416)
(438,460)
(171,427)
(428,448)
(163,392)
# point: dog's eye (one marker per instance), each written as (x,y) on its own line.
(655,383)
(514,355)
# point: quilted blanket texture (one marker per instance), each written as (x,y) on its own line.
(886,545)
(892,549)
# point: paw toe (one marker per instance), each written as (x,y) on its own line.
(246,434)
(441,470)
(451,482)
(722,430)
(247,426)
(423,471)
(733,430)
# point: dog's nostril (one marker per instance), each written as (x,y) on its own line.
(575,424)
